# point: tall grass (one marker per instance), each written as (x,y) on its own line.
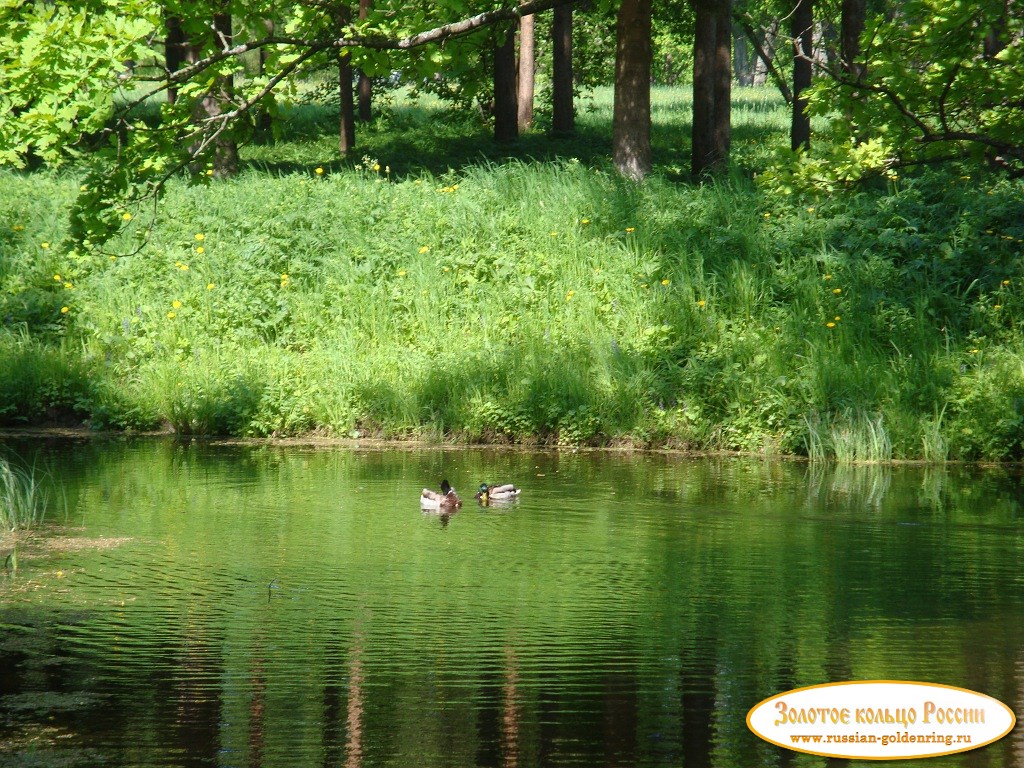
(480,296)
(24,498)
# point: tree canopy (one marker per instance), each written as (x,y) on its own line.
(75,79)
(932,80)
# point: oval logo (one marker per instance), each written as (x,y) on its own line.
(881,719)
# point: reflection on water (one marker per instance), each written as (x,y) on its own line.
(293,606)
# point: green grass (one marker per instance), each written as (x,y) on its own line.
(24,498)
(441,287)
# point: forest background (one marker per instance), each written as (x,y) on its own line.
(778,227)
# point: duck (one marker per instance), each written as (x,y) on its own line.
(489,493)
(445,501)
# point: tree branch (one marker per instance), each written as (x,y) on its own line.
(780,81)
(471,24)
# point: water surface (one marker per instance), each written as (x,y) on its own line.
(279,606)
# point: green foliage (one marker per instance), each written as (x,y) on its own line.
(60,66)
(41,381)
(942,81)
(987,406)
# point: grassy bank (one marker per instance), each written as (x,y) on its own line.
(478,297)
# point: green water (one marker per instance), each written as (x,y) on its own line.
(290,606)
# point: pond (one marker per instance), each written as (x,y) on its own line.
(240,605)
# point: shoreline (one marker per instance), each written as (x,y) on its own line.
(313,440)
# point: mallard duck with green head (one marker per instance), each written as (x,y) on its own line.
(492,493)
(445,501)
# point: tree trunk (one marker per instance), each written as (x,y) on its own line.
(527,65)
(996,39)
(346,105)
(743,62)
(365,87)
(264,121)
(712,86)
(631,119)
(218,98)
(802,32)
(506,123)
(225,157)
(563,118)
(764,46)
(174,51)
(722,118)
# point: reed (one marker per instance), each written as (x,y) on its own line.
(24,497)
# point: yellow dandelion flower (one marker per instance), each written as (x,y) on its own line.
(666,281)
(826,277)
(44,246)
(69,286)
(974,351)
(17,228)
(183,267)
(767,215)
(1006,282)
(811,209)
(837,291)
(200,249)
(200,236)
(998,306)
(569,294)
(209,286)
(209,172)
(376,167)
(584,221)
(424,248)
(176,304)
(171,315)
(57,277)
(318,171)
(64,310)
(631,229)
(402,273)
(830,325)
(837,318)
(701,303)
(126,216)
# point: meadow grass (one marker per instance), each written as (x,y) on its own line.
(442,287)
